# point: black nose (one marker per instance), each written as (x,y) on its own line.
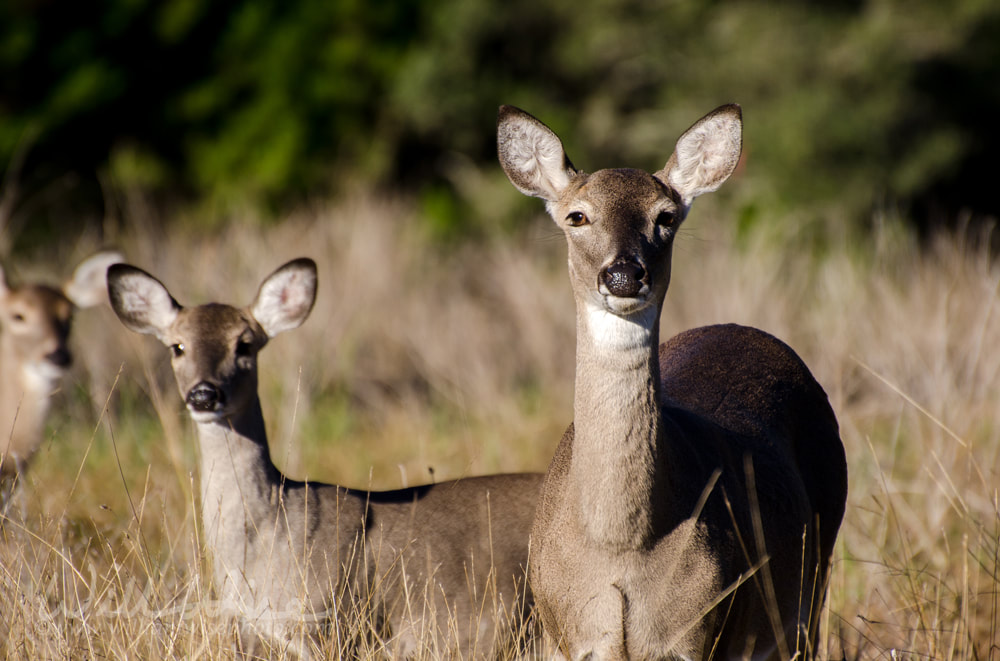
(624,278)
(60,358)
(205,397)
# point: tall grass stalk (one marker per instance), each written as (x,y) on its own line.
(421,363)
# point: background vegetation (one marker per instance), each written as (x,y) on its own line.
(421,364)
(852,105)
(211,142)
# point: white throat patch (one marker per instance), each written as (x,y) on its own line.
(42,377)
(613,333)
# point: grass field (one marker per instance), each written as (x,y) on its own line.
(425,363)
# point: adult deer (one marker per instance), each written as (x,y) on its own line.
(34,356)
(691,509)
(442,565)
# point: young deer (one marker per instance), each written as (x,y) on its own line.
(34,356)
(441,565)
(691,509)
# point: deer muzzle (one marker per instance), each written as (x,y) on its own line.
(205,397)
(624,278)
(60,358)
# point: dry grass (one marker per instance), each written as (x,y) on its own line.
(423,363)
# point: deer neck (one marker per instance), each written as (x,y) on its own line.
(239,483)
(616,461)
(25,391)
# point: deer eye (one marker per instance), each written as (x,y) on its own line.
(18,316)
(577,219)
(665,218)
(177,350)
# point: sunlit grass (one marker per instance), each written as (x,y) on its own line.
(422,364)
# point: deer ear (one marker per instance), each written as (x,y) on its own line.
(532,155)
(286,297)
(141,301)
(89,286)
(706,154)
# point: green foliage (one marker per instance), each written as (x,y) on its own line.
(849,105)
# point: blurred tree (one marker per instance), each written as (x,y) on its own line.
(228,101)
(952,128)
(850,105)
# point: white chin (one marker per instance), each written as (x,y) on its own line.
(43,376)
(205,416)
(624,306)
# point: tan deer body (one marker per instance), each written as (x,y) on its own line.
(34,356)
(690,511)
(441,565)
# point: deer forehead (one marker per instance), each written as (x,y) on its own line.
(623,193)
(215,328)
(40,305)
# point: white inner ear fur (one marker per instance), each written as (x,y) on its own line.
(539,156)
(283,303)
(88,286)
(148,304)
(705,157)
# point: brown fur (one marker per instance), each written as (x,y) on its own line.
(691,509)
(34,356)
(441,565)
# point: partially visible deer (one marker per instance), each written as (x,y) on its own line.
(35,355)
(442,565)
(691,509)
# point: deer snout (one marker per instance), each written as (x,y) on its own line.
(60,358)
(205,397)
(624,278)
